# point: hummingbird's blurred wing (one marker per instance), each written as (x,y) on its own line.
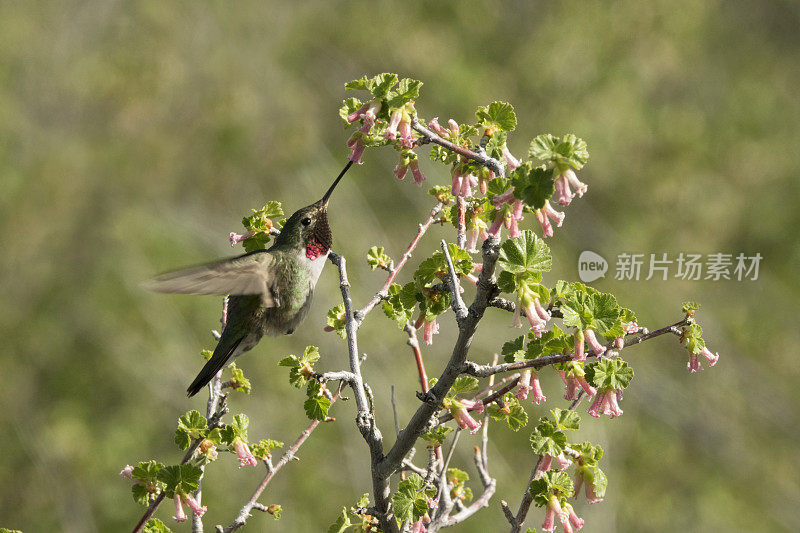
(251,273)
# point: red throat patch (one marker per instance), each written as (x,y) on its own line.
(314,250)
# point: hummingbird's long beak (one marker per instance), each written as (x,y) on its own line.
(325,198)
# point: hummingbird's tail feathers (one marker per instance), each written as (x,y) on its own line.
(250,273)
(214,365)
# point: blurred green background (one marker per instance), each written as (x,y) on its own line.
(135,135)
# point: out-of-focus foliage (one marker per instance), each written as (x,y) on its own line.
(134,136)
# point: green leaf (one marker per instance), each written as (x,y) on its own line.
(552,483)
(436,436)
(463,385)
(550,342)
(410,501)
(525,254)
(499,115)
(362,84)
(207,354)
(238,381)
(264,447)
(236,429)
(512,413)
(507,282)
(348,107)
(191,426)
(514,351)
(690,307)
(605,313)
(376,258)
(382,83)
(546,439)
(301,368)
(316,405)
(336,319)
(406,91)
(442,194)
(609,373)
(342,523)
(433,269)
(140,494)
(566,419)
(154,525)
(182,479)
(533,185)
(692,336)
(401,303)
(569,151)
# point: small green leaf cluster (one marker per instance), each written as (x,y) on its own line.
(301,372)
(259,224)
(609,374)
(458,488)
(154,525)
(560,152)
(238,381)
(336,320)
(436,436)
(512,412)
(692,338)
(549,437)
(426,290)
(354,519)
(377,258)
(523,259)
(263,449)
(410,501)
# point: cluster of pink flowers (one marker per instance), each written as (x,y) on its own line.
(536,314)
(547,460)
(694,364)
(459,410)
(400,122)
(606,403)
(563,191)
(368,112)
(509,214)
(574,381)
(584,479)
(545,214)
(356,145)
(570,522)
(401,169)
(529,383)
(246,457)
(188,499)
(478,231)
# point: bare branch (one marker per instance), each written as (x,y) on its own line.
(455,289)
(492,164)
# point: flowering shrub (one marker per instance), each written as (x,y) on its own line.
(572,329)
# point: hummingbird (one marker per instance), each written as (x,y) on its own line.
(269,291)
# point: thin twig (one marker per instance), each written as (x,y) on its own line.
(384,292)
(492,164)
(244,512)
(455,289)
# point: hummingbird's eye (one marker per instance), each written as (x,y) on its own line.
(306,221)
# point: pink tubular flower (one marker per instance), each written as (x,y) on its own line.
(368,112)
(579,355)
(536,314)
(434,125)
(598,348)
(419,177)
(571,384)
(356,145)
(574,520)
(477,232)
(694,364)
(524,385)
(180,515)
(605,403)
(198,509)
(511,161)
(553,509)
(243,451)
(583,479)
(394,121)
(236,238)
(400,170)
(544,215)
(563,461)
(429,329)
(544,465)
(458,408)
(563,192)
(127,472)
(536,388)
